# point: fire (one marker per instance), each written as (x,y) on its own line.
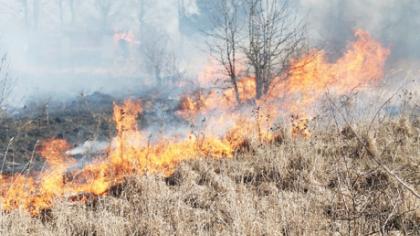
(300,88)
(125,36)
(213,73)
(208,73)
(225,127)
(204,102)
(128,154)
(39,191)
(311,76)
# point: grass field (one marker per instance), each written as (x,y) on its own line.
(328,184)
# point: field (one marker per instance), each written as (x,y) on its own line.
(328,183)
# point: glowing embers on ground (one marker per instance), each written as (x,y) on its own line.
(227,128)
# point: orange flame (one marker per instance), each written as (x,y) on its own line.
(306,81)
(128,154)
(311,76)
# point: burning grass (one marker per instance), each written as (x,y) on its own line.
(323,185)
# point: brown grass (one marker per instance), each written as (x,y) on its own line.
(326,185)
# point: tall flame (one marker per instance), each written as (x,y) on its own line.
(311,76)
(297,90)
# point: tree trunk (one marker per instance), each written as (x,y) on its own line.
(236,90)
(266,81)
(25,12)
(141,16)
(158,76)
(259,84)
(72,11)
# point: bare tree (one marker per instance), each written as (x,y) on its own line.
(25,11)
(274,35)
(225,38)
(61,11)
(154,49)
(156,58)
(6,82)
(34,14)
(31,12)
(63,7)
(172,69)
(141,15)
(72,11)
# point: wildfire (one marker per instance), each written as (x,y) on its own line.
(226,128)
(294,92)
(311,76)
(128,154)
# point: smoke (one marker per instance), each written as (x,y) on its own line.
(394,22)
(60,50)
(57,51)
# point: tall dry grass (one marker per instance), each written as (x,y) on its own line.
(327,185)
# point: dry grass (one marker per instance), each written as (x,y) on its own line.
(323,186)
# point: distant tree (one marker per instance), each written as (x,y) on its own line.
(6,82)
(172,69)
(141,15)
(154,49)
(25,7)
(225,36)
(31,11)
(104,8)
(61,11)
(72,11)
(66,5)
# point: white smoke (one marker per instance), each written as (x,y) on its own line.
(394,22)
(62,57)
(89,148)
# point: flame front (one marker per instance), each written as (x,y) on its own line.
(299,89)
(128,154)
(227,128)
(311,76)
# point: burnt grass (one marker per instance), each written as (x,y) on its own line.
(324,185)
(22,134)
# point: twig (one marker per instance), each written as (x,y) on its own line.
(29,165)
(384,104)
(5,152)
(374,157)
